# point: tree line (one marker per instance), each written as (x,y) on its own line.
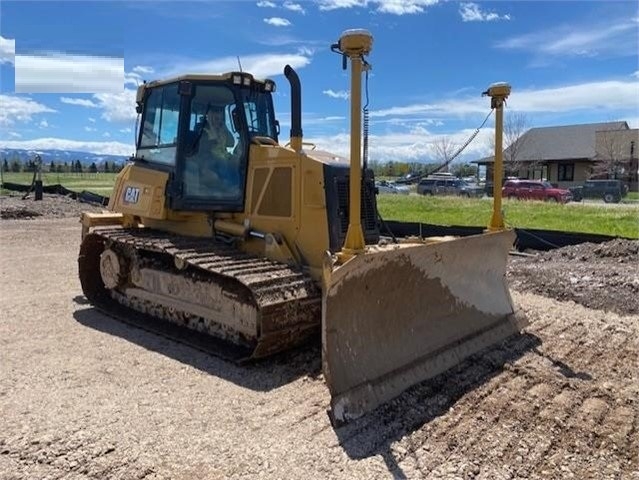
(76,166)
(401,169)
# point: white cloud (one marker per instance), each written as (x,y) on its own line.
(82,102)
(604,95)
(43,124)
(14,135)
(92,120)
(19,109)
(7,50)
(142,69)
(308,119)
(339,94)
(336,4)
(266,4)
(90,129)
(132,78)
(126,130)
(306,51)
(636,74)
(609,38)
(412,144)
(104,148)
(117,107)
(404,7)
(260,65)
(106,134)
(470,12)
(294,7)
(395,7)
(62,73)
(612,95)
(633,122)
(277,22)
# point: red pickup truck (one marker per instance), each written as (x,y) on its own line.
(535,190)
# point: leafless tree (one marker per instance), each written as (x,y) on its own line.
(516,124)
(443,149)
(612,153)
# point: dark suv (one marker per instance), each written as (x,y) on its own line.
(535,190)
(448,186)
(610,191)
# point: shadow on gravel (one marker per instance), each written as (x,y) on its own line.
(375,433)
(260,375)
(563,368)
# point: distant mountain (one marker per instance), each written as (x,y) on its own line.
(59,156)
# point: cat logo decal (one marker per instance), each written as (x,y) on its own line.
(131,195)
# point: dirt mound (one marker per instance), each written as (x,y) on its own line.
(12,207)
(15,214)
(626,250)
(602,276)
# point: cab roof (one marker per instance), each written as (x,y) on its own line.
(222,77)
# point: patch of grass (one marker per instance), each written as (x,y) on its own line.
(613,219)
(100,183)
(633,196)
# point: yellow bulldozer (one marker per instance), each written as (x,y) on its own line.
(243,246)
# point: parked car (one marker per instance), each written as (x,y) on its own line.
(471,189)
(384,186)
(437,185)
(610,191)
(535,190)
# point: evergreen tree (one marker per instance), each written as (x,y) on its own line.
(5,165)
(78,166)
(93,168)
(52,166)
(106,167)
(16,166)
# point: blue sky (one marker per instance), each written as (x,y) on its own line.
(568,62)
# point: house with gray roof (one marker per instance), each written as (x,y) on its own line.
(570,154)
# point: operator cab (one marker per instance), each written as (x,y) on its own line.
(199,128)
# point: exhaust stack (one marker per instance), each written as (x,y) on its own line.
(296,108)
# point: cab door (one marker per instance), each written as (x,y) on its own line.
(210,179)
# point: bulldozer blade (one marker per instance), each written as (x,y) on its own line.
(398,315)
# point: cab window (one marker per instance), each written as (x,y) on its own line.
(158,136)
(214,163)
(258,111)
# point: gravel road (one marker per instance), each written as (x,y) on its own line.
(83,396)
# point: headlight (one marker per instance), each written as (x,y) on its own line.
(237,79)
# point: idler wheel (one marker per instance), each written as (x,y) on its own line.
(112,269)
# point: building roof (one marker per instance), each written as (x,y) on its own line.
(559,143)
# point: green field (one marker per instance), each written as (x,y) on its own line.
(611,219)
(614,219)
(100,183)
